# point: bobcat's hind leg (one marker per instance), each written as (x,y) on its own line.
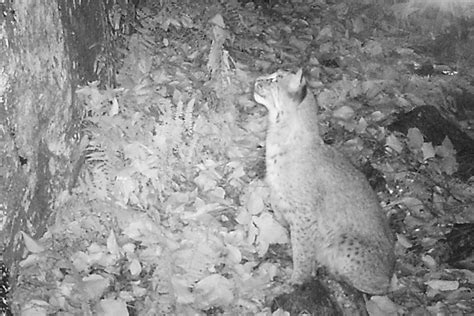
(363,265)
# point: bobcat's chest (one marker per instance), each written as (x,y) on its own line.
(280,167)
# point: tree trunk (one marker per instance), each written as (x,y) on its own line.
(47,48)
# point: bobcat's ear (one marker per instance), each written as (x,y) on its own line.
(297,86)
(297,81)
(299,75)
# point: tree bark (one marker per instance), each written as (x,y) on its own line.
(47,48)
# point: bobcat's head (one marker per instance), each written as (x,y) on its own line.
(280,92)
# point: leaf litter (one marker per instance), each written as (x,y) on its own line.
(171,214)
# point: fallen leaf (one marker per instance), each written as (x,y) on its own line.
(393,142)
(344,112)
(205,180)
(80,261)
(358,24)
(218,20)
(94,286)
(35,308)
(449,165)
(181,290)
(214,290)
(446,149)
(429,261)
(255,203)
(373,48)
(112,245)
(31,245)
(415,139)
(281,312)
(382,306)
(403,241)
(361,126)
(428,151)
(233,254)
(112,307)
(413,204)
(371,88)
(443,285)
(269,232)
(377,116)
(135,267)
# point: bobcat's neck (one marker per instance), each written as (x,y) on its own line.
(298,128)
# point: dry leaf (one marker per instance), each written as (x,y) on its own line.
(112,245)
(270,232)
(393,142)
(443,285)
(94,286)
(382,306)
(413,204)
(255,203)
(428,151)
(135,267)
(344,112)
(218,20)
(31,245)
(415,139)
(112,307)
(35,308)
(214,290)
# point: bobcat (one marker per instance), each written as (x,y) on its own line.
(333,214)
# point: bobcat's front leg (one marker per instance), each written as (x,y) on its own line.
(303,260)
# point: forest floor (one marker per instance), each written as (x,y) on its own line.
(171,214)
